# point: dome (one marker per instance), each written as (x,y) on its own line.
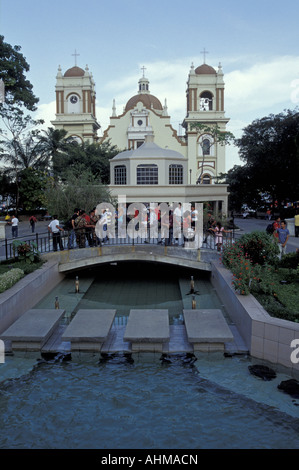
(205,69)
(74,72)
(147,99)
(150,150)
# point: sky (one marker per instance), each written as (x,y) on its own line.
(256,43)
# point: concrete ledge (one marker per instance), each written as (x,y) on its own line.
(266,337)
(31,331)
(147,330)
(207,326)
(89,329)
(28,292)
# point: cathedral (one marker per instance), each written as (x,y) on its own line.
(153,154)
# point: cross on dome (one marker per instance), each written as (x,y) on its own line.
(204,52)
(143,69)
(75,54)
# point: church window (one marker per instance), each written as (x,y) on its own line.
(206,147)
(147,174)
(120,174)
(176,174)
(206,101)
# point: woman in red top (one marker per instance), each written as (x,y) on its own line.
(276,225)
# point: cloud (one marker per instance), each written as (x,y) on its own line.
(46,112)
(263,86)
(251,91)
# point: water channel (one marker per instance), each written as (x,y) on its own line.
(142,401)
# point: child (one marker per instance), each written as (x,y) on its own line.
(219,230)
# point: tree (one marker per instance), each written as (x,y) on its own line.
(53,142)
(32,189)
(241,189)
(270,149)
(13,65)
(218,137)
(19,147)
(78,190)
(87,156)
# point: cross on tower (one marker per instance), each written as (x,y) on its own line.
(204,52)
(75,57)
(143,69)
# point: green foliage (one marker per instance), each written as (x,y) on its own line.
(255,267)
(82,191)
(10,278)
(259,247)
(32,189)
(290,260)
(26,252)
(13,66)
(269,147)
(91,157)
(245,273)
(276,309)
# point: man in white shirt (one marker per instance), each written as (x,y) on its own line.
(14,226)
(55,229)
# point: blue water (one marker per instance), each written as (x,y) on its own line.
(144,403)
(140,402)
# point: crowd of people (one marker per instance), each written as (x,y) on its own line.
(93,229)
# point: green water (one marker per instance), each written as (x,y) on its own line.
(134,285)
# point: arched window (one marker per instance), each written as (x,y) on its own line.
(176,174)
(206,101)
(206,147)
(120,174)
(147,174)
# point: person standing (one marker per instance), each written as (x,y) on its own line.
(32,222)
(283,236)
(80,224)
(93,221)
(14,226)
(210,227)
(219,230)
(55,229)
(297,224)
(72,234)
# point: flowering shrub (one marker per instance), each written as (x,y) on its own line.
(9,278)
(26,252)
(248,259)
(259,247)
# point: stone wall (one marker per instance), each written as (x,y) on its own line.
(266,337)
(27,292)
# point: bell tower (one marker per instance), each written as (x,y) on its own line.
(76,104)
(205,109)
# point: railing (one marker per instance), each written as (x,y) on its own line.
(44,242)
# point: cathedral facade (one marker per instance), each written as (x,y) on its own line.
(152,153)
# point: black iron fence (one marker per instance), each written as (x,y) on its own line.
(43,242)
